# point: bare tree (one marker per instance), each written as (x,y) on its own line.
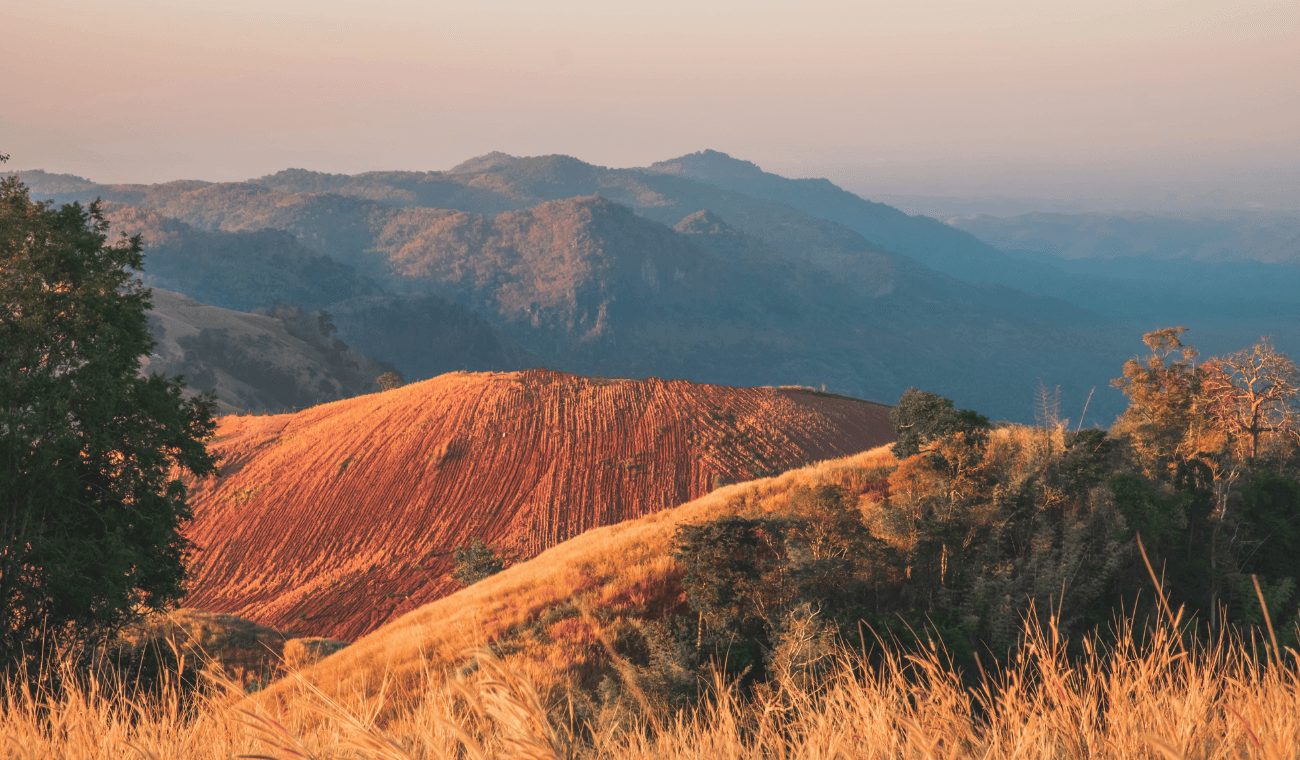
(1047,406)
(1251,393)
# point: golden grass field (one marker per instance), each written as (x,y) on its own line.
(424,686)
(1131,701)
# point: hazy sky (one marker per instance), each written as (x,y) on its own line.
(151,90)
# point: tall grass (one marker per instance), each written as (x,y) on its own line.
(1142,696)
(403,694)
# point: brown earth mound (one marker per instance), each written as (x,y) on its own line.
(335,520)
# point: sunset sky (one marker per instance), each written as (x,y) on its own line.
(961,92)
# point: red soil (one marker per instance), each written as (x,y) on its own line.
(335,520)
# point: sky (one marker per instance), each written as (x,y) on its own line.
(922,97)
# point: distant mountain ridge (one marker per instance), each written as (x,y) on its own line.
(236,270)
(1231,275)
(546,250)
(1209,237)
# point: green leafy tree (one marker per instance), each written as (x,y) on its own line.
(474,562)
(923,418)
(90,504)
(735,575)
(734,571)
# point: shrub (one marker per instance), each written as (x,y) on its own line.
(305,652)
(390,380)
(474,562)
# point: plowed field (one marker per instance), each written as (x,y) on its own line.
(333,521)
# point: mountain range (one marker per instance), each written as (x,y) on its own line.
(703,267)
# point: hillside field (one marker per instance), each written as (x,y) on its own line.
(335,520)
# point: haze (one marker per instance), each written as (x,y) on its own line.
(934,96)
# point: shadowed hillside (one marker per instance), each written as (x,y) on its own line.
(236,270)
(332,521)
(426,335)
(255,362)
(422,333)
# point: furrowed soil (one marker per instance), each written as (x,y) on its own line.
(335,520)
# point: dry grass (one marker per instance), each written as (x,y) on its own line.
(239,648)
(625,570)
(1148,700)
(419,688)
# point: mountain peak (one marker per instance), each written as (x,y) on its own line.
(485,163)
(708,163)
(703,222)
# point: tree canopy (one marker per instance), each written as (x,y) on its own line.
(90,503)
(923,418)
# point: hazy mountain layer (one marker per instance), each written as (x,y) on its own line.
(1232,276)
(423,334)
(236,270)
(754,292)
(1210,237)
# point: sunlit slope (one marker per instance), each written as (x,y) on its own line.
(335,520)
(619,574)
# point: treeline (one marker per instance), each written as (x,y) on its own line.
(979,528)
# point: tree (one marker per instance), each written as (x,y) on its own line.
(389,380)
(475,562)
(90,503)
(923,418)
(1250,393)
(735,575)
(1160,423)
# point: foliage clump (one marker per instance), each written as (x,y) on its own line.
(91,508)
(923,418)
(474,562)
(389,381)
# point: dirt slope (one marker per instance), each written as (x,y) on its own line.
(335,520)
